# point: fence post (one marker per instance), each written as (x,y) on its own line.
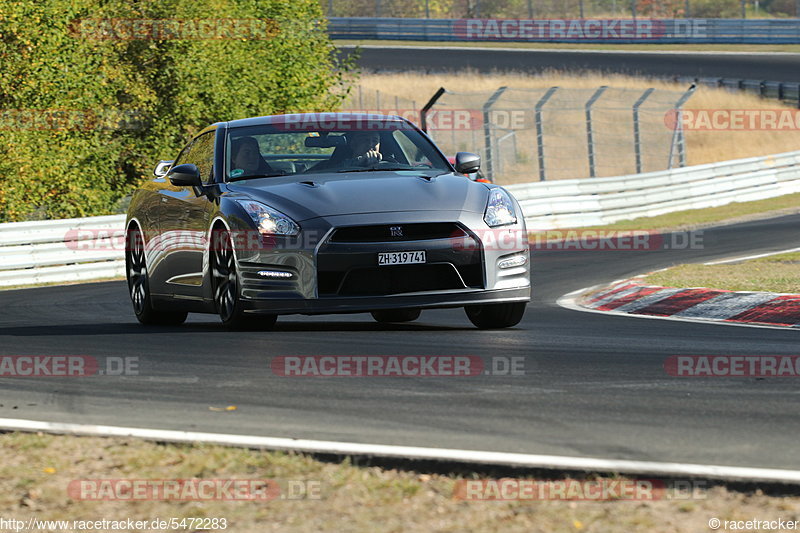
(427,9)
(633,8)
(530,8)
(423,115)
(487,131)
(637,141)
(678,137)
(589,134)
(540,131)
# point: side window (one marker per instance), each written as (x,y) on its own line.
(182,156)
(201,154)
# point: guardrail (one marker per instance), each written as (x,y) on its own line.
(82,249)
(590,202)
(787,92)
(621,31)
(55,251)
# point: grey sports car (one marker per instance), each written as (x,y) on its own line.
(323,213)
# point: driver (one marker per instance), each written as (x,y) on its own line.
(365,147)
(246,157)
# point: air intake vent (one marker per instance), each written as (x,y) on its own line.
(398,232)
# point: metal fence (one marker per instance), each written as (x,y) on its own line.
(561,8)
(618,31)
(551,133)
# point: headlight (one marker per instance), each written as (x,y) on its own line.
(269,221)
(500,209)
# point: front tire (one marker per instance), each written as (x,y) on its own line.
(495,316)
(389,316)
(226,287)
(139,287)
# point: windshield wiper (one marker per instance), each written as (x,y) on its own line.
(255,176)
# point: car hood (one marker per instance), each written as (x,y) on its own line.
(320,195)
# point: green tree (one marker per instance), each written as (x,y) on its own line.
(164,90)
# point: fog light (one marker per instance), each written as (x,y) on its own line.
(274,274)
(511,262)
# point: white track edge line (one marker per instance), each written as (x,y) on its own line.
(748,257)
(566,50)
(569,301)
(415,452)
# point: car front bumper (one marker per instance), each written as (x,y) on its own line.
(427,300)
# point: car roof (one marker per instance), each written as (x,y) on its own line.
(311,118)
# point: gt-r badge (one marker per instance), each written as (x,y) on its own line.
(396,231)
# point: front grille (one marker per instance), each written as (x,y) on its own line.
(347,262)
(398,279)
(398,232)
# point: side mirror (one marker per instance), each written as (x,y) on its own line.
(467,163)
(186,175)
(161,168)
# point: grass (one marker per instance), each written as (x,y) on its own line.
(776,273)
(565,123)
(35,470)
(748,48)
(711,216)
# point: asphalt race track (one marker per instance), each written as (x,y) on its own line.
(594,384)
(771,67)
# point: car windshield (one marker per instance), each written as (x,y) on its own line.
(301,147)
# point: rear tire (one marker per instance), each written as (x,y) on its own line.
(226,287)
(495,316)
(139,287)
(389,316)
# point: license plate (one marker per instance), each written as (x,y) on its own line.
(401,258)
